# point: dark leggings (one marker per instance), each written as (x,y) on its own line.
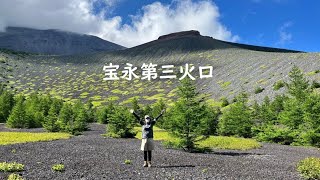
(147,155)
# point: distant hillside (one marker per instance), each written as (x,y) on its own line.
(188,41)
(236,68)
(53,42)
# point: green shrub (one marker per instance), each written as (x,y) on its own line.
(309,168)
(172,144)
(14,176)
(102,115)
(310,137)
(258,90)
(127,161)
(224,102)
(278,85)
(90,111)
(315,85)
(11,167)
(58,167)
(2,60)
(276,134)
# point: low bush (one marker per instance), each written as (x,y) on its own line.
(224,102)
(127,161)
(281,135)
(315,85)
(11,167)
(58,167)
(310,137)
(258,90)
(309,168)
(278,85)
(14,176)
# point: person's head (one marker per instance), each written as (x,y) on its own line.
(147,119)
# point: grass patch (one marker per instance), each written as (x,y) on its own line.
(213,142)
(224,85)
(23,137)
(313,73)
(58,167)
(14,176)
(222,142)
(309,168)
(11,167)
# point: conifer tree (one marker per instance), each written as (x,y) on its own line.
(6,105)
(189,116)
(18,117)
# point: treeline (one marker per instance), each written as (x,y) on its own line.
(292,118)
(38,110)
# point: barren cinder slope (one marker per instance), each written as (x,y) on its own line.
(235,68)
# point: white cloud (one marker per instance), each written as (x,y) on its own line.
(285,36)
(154,20)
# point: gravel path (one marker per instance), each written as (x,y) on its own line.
(91,156)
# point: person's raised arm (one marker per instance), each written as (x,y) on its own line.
(135,114)
(159,115)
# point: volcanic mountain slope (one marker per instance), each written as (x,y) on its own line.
(52,42)
(236,68)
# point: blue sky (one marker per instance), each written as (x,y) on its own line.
(290,24)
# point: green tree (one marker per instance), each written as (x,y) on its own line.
(90,111)
(66,118)
(292,115)
(45,103)
(6,105)
(121,123)
(189,117)
(135,105)
(267,114)
(80,117)
(224,102)
(156,110)
(298,86)
(34,110)
(311,114)
(18,117)
(237,119)
(50,123)
(104,113)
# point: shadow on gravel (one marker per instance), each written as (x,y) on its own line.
(177,166)
(234,153)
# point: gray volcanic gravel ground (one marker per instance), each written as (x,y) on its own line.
(91,156)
